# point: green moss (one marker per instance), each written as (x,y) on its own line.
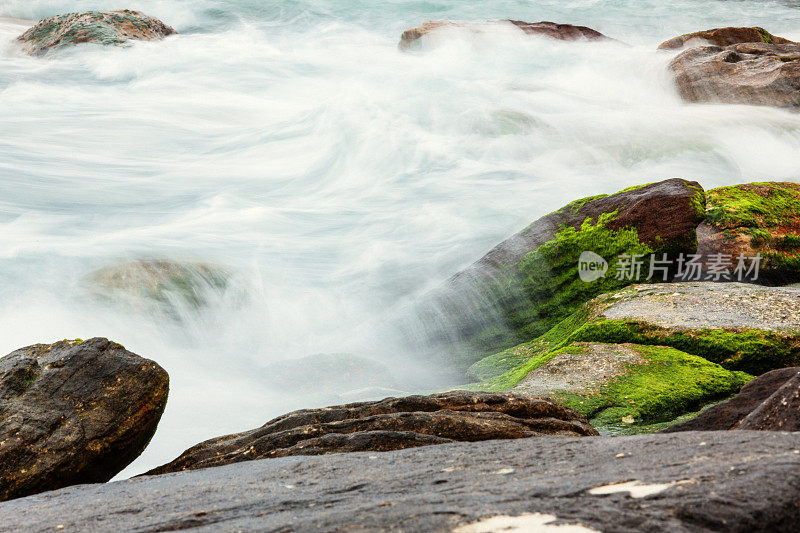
(765,35)
(754,205)
(574,207)
(751,350)
(788,242)
(669,384)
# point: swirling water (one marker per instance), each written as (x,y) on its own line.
(337,177)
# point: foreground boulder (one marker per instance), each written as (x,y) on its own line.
(103,27)
(530,282)
(156,286)
(725,481)
(728,415)
(74,412)
(390,424)
(562,32)
(624,386)
(746,73)
(723,37)
(754,219)
(779,412)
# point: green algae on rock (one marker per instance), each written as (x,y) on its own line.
(755,218)
(103,27)
(724,37)
(530,282)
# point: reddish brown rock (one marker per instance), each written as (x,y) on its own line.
(727,415)
(724,37)
(747,73)
(779,412)
(390,424)
(74,412)
(563,32)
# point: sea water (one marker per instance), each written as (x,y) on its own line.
(335,177)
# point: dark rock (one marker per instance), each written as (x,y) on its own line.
(104,27)
(74,412)
(562,32)
(779,412)
(528,283)
(729,414)
(747,73)
(725,481)
(754,219)
(724,37)
(390,424)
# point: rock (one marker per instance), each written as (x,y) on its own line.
(746,73)
(729,414)
(389,424)
(725,481)
(620,385)
(779,412)
(723,37)
(327,373)
(530,282)
(74,412)
(562,32)
(159,286)
(104,27)
(750,219)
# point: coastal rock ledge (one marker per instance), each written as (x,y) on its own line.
(74,412)
(103,27)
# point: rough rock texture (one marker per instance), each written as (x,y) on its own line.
(726,481)
(74,412)
(563,32)
(156,286)
(622,387)
(779,412)
(746,73)
(723,37)
(104,27)
(729,414)
(390,424)
(754,218)
(529,282)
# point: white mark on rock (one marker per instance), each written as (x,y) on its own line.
(537,522)
(636,489)
(504,471)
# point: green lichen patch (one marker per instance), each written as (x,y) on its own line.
(765,35)
(669,384)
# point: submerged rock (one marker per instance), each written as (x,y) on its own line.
(74,412)
(619,385)
(747,73)
(530,282)
(723,37)
(725,481)
(389,424)
(779,412)
(727,415)
(562,32)
(103,27)
(159,285)
(754,219)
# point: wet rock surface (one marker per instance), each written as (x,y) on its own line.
(103,27)
(726,481)
(390,424)
(562,32)
(723,37)
(727,415)
(74,412)
(746,73)
(779,412)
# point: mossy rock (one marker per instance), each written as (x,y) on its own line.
(741,327)
(156,286)
(529,283)
(724,37)
(622,386)
(755,218)
(102,27)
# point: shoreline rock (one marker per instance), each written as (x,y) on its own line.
(723,37)
(74,412)
(104,27)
